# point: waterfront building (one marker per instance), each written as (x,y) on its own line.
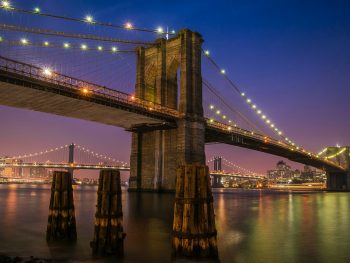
(285,174)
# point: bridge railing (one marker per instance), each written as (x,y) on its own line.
(84,87)
(236,130)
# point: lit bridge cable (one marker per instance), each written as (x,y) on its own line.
(87,19)
(100,156)
(39,153)
(218,95)
(65,45)
(253,106)
(48,32)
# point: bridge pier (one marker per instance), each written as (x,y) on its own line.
(61,221)
(337,181)
(194,231)
(108,233)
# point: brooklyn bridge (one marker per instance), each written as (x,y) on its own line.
(173,112)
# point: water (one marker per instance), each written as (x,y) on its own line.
(253,226)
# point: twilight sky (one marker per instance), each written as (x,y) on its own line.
(292,57)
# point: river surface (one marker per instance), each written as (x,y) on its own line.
(253,225)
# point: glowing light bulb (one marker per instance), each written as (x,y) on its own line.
(242,94)
(173,31)
(207,52)
(114,49)
(224,117)
(222,71)
(279,133)
(1,39)
(258,112)
(249,100)
(254,106)
(160,30)
(263,117)
(46,43)
(24,41)
(6,4)
(47,72)
(99,48)
(85,90)
(83,47)
(36,9)
(211,107)
(218,112)
(66,45)
(89,19)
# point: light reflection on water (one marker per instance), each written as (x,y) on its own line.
(253,226)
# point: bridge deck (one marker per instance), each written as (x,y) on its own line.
(245,139)
(21,88)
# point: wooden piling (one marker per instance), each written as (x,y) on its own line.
(194,231)
(61,221)
(108,234)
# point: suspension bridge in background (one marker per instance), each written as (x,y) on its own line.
(172,113)
(76,157)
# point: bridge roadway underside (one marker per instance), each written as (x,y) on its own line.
(218,136)
(28,93)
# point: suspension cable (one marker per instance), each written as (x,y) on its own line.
(46,44)
(218,95)
(49,32)
(235,88)
(87,20)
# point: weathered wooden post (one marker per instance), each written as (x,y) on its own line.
(194,232)
(108,234)
(61,222)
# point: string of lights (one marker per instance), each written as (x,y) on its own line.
(336,154)
(48,32)
(89,19)
(37,153)
(217,94)
(100,156)
(223,116)
(64,45)
(248,100)
(322,152)
(233,165)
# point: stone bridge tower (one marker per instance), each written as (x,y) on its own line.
(157,153)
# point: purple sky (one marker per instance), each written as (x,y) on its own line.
(292,57)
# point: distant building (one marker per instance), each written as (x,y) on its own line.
(11,171)
(284,174)
(38,172)
(312,175)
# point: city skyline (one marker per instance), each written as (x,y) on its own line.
(294,69)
